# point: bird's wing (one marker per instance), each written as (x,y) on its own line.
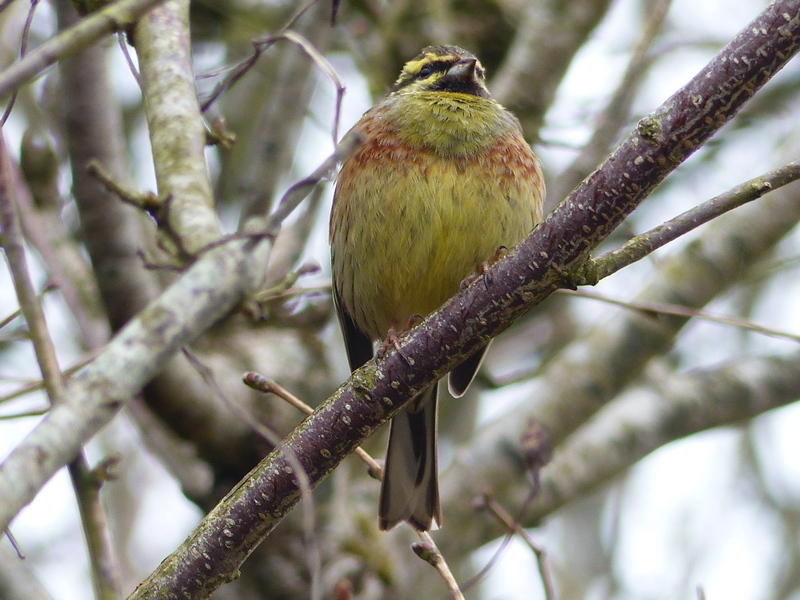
(356,342)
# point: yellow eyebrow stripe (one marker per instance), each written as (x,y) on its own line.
(415,66)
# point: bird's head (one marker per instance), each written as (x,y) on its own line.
(443,69)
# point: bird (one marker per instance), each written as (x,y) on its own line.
(442,181)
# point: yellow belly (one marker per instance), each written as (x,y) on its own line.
(408,226)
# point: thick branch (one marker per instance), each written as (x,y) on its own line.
(546,41)
(528,274)
(207,291)
(646,419)
(177,130)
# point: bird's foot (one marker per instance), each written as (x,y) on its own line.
(483,269)
(392,339)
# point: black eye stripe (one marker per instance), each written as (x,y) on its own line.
(422,70)
(436,66)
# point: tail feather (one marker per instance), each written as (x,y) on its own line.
(464,373)
(410,487)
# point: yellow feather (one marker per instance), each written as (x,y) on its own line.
(442,181)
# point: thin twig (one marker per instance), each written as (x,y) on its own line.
(646,243)
(313,555)
(31,308)
(105,571)
(427,550)
(123,46)
(238,71)
(536,450)
(34,386)
(297,192)
(260,383)
(684,311)
(23,47)
(115,17)
(147,201)
(63,256)
(323,64)
(13,541)
(25,414)
(49,287)
(513,526)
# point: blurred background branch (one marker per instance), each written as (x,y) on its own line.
(610,384)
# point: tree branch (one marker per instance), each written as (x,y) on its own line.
(105,570)
(223,275)
(528,274)
(646,243)
(645,419)
(115,17)
(177,130)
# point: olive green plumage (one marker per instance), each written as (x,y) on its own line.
(442,181)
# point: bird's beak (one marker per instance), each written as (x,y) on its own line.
(463,69)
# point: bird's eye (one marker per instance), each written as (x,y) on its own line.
(424,72)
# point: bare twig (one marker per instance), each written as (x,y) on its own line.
(259,47)
(513,526)
(146,201)
(677,310)
(23,47)
(323,65)
(15,314)
(63,255)
(123,46)
(427,549)
(34,386)
(646,243)
(313,556)
(115,17)
(14,544)
(105,570)
(266,386)
(298,192)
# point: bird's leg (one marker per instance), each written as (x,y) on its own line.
(392,339)
(483,269)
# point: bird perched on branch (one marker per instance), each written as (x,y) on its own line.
(443,180)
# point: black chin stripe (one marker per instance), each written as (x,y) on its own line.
(453,84)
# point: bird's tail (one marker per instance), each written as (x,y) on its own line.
(410,487)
